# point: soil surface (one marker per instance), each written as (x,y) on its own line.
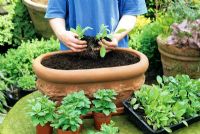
(76,61)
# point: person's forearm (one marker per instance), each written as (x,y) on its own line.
(58,26)
(126,23)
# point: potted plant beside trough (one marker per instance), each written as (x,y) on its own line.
(67,120)
(180,53)
(37,10)
(42,114)
(171,105)
(103,106)
(64,72)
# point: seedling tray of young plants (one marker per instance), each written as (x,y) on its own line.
(171,104)
(140,122)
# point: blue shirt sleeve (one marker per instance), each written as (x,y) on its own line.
(57,9)
(132,7)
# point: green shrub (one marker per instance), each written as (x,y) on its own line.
(170,102)
(16,26)
(18,62)
(79,101)
(42,110)
(103,101)
(145,42)
(67,119)
(26,82)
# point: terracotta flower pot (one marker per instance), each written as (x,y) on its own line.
(47,129)
(179,60)
(60,131)
(100,118)
(123,79)
(37,12)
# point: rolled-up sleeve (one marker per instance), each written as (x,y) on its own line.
(56,9)
(133,7)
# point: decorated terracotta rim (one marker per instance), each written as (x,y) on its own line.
(91,75)
(35,6)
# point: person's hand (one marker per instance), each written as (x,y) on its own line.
(109,45)
(71,41)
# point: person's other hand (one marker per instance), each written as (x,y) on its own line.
(109,44)
(71,41)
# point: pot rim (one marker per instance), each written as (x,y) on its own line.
(91,75)
(34,5)
(162,45)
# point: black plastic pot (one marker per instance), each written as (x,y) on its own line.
(11,98)
(23,93)
(137,119)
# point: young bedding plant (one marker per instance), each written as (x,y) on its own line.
(42,110)
(107,129)
(67,118)
(79,101)
(106,34)
(170,102)
(80,31)
(103,102)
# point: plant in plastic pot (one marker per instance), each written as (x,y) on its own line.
(67,120)
(42,113)
(26,85)
(103,106)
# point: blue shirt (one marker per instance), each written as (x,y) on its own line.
(93,13)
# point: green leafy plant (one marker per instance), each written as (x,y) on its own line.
(79,101)
(67,118)
(105,33)
(18,62)
(80,31)
(3,89)
(103,101)
(18,25)
(107,129)
(42,110)
(27,82)
(170,102)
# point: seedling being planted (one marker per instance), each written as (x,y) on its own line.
(80,31)
(106,34)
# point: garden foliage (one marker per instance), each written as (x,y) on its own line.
(144,40)
(18,62)
(103,101)
(67,119)
(79,101)
(42,110)
(170,102)
(16,26)
(186,34)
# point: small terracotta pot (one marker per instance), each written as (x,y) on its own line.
(60,131)
(47,129)
(100,118)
